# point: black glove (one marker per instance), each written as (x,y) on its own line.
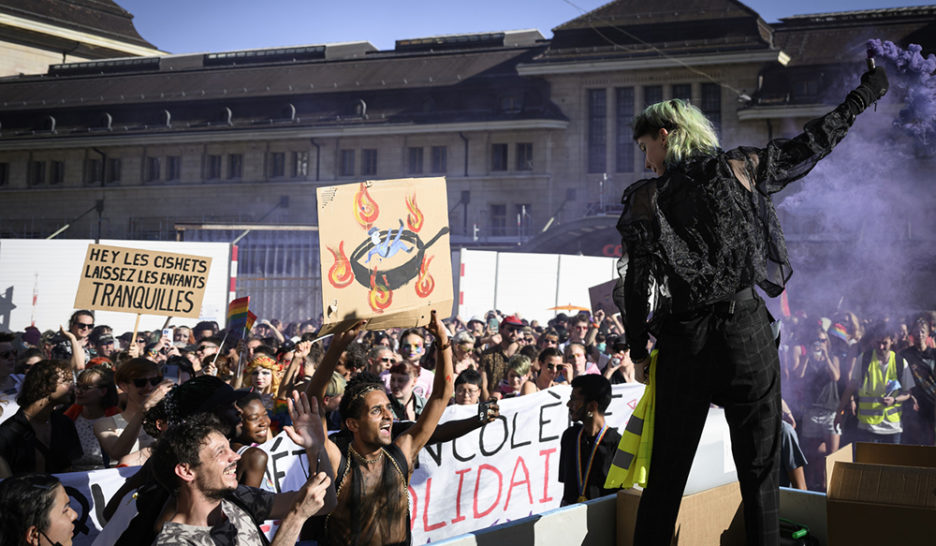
(873,86)
(876,81)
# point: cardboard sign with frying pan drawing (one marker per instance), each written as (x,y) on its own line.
(384,248)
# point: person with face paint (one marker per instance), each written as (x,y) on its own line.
(696,239)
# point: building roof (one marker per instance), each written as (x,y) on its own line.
(100,17)
(365,89)
(634,28)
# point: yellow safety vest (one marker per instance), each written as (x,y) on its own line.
(631,462)
(871,410)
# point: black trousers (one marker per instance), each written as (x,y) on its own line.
(723,354)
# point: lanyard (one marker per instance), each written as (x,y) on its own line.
(583,480)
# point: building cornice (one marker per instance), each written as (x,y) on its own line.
(784,111)
(77,36)
(606,65)
(168,136)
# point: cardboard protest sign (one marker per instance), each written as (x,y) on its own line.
(600,296)
(142,281)
(385,255)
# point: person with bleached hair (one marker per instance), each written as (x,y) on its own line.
(697,239)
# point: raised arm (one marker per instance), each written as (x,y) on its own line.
(321,377)
(787,160)
(443,385)
(77,351)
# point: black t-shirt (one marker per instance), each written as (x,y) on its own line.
(604,454)
(18,444)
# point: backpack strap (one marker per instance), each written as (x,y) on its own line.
(258,524)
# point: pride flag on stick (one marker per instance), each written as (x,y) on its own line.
(239,318)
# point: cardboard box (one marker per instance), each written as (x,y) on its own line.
(713,516)
(884,494)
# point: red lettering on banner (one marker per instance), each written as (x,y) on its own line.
(500,483)
(426,524)
(547,453)
(526,480)
(412,494)
(461,480)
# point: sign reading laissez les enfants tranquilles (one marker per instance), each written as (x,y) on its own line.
(142,281)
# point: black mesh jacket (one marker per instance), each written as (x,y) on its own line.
(707,228)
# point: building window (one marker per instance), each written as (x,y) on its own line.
(652,94)
(4,174)
(113,174)
(711,104)
(368,162)
(414,164)
(300,164)
(235,166)
(524,156)
(624,131)
(597,110)
(56,172)
(277,164)
(93,173)
(213,167)
(346,163)
(151,173)
(36,172)
(682,91)
(439,159)
(498,220)
(498,157)
(173,167)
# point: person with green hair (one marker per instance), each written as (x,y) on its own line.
(697,238)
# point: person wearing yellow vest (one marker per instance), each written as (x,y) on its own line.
(880,381)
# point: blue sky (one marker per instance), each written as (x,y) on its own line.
(189,26)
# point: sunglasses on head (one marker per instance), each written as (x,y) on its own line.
(141,382)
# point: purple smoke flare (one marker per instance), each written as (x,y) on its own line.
(919,115)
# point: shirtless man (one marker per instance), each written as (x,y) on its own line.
(372,469)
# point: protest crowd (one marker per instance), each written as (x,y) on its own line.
(83,398)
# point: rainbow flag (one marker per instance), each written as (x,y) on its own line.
(839,331)
(237,318)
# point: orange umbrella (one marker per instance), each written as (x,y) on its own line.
(569,307)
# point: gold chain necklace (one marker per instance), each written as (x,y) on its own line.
(366,461)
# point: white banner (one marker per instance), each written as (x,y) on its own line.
(504,471)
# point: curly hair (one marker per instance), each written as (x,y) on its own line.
(180,444)
(352,403)
(42,380)
(26,501)
(690,132)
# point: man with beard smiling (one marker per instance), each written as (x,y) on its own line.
(195,461)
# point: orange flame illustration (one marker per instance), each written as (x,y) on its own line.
(380,296)
(365,208)
(424,283)
(415,217)
(339,274)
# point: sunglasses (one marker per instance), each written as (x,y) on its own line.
(141,382)
(552,367)
(202,348)
(83,388)
(83,326)
(387,359)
